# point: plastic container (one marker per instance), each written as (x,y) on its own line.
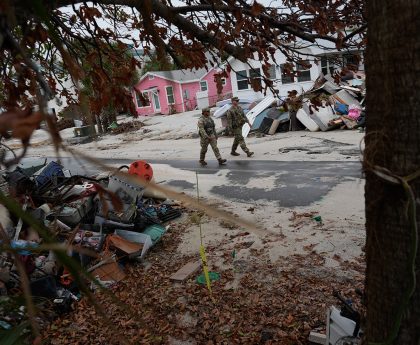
(213,276)
(136,238)
(155,232)
(72,213)
(125,190)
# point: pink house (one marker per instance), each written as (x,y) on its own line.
(169,92)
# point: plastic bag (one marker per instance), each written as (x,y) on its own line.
(354,111)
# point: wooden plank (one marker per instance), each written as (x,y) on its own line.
(110,271)
(124,245)
(185,271)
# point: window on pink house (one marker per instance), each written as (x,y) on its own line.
(203,85)
(142,101)
(170,94)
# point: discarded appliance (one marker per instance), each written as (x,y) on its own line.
(321,115)
(306,120)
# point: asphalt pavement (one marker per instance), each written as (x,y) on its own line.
(293,183)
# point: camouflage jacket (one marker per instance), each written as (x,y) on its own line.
(206,127)
(235,118)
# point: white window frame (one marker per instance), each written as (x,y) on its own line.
(282,76)
(244,78)
(255,74)
(167,94)
(137,100)
(306,71)
(350,56)
(186,94)
(201,85)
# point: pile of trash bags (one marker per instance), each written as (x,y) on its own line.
(105,221)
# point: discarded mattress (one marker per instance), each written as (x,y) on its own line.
(221,111)
(228,101)
(306,120)
(255,111)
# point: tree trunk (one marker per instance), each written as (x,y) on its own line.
(393,142)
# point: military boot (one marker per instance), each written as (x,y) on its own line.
(233,153)
(250,154)
(222,161)
(202,161)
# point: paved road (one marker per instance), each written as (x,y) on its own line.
(291,183)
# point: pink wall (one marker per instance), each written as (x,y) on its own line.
(159,84)
(212,89)
(192,88)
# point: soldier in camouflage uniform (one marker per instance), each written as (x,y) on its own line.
(236,119)
(208,135)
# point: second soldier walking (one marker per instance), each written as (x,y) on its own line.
(235,120)
(208,135)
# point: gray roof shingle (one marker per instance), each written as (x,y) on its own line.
(182,75)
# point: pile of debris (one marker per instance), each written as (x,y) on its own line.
(328,105)
(104,222)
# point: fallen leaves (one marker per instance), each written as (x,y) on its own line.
(271,304)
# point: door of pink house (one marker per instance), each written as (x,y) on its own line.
(155,99)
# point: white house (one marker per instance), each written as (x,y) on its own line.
(321,60)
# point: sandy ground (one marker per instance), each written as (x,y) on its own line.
(175,136)
(285,231)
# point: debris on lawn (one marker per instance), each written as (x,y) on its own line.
(126,127)
(104,222)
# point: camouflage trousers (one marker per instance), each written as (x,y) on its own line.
(239,140)
(204,142)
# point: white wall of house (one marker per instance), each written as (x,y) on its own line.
(282,83)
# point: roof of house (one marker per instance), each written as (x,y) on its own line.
(182,75)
